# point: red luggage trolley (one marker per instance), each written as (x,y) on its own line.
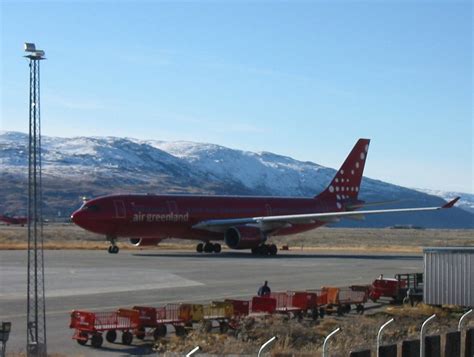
(91,325)
(158,318)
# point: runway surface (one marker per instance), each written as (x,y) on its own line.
(96,280)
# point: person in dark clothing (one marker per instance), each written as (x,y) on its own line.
(264,290)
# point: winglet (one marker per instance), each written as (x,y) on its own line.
(451,203)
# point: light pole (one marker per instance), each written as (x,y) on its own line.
(36,315)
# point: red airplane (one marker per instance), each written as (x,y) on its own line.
(13,220)
(242,222)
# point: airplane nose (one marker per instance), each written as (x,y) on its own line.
(78,218)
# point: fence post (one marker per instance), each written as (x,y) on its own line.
(260,351)
(193,351)
(461,321)
(463,317)
(327,339)
(379,335)
(422,335)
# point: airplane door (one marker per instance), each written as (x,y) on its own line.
(268,209)
(120,211)
(172,207)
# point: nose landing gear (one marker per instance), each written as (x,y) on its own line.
(113,248)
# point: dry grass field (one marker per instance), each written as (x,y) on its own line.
(69,236)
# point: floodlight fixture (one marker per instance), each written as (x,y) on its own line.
(33,53)
(30,47)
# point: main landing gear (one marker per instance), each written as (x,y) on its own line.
(265,249)
(113,248)
(208,248)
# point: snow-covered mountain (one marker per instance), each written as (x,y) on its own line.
(91,166)
(466,202)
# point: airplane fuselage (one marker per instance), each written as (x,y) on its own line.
(166,216)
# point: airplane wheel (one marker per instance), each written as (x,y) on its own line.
(113,249)
(199,248)
(264,249)
(208,247)
(217,248)
(272,249)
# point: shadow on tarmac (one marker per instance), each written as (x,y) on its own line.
(245,255)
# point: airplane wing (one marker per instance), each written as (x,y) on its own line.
(268,223)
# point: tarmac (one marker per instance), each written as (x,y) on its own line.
(98,281)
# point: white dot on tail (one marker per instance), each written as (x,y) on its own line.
(352,172)
(338,197)
(331,189)
(366,148)
(357,189)
(337,188)
(362,156)
(357,165)
(339,205)
(336,180)
(342,188)
(342,172)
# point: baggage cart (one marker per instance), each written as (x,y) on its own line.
(340,299)
(157,319)
(91,325)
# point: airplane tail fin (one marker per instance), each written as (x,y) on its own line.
(346,184)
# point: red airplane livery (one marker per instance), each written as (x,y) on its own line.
(242,222)
(13,220)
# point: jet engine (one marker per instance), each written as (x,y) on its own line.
(243,237)
(143,242)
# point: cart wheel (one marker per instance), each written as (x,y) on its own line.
(314,314)
(179,330)
(340,311)
(347,308)
(200,248)
(127,338)
(83,338)
(96,341)
(140,333)
(206,326)
(223,326)
(111,336)
(160,331)
(362,309)
(217,248)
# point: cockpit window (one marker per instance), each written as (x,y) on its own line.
(91,208)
